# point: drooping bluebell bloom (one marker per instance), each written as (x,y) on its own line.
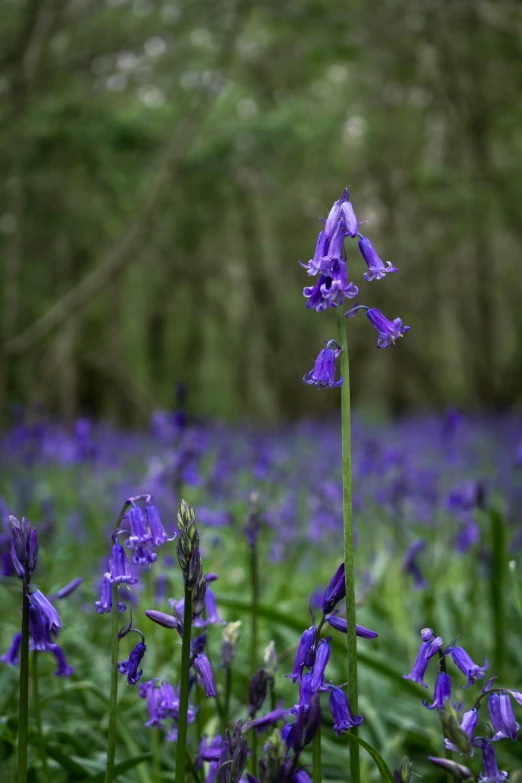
(62,667)
(104,605)
(331,289)
(69,588)
(305,690)
(268,720)
(429,647)
(45,607)
(39,631)
(322,657)
(335,591)
(388,331)
(441,693)
(204,669)
(143,556)
(349,217)
(198,644)
(459,771)
(323,373)
(491,772)
(334,216)
(158,533)
(468,725)
(119,566)
(10,657)
(503,719)
(208,751)
(410,564)
(341,714)
(24,547)
(467,666)
(305,646)
(340,624)
(376,268)
(139,533)
(130,666)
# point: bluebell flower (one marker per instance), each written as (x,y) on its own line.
(45,607)
(340,624)
(69,588)
(143,556)
(198,644)
(341,714)
(10,657)
(323,373)
(104,605)
(441,693)
(39,631)
(62,667)
(139,533)
(335,591)
(376,268)
(119,566)
(158,534)
(204,669)
(334,216)
(429,647)
(331,289)
(467,666)
(305,689)
(306,644)
(349,217)
(388,331)
(322,657)
(459,771)
(268,720)
(130,667)
(468,725)
(491,772)
(503,719)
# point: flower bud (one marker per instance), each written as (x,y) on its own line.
(403,774)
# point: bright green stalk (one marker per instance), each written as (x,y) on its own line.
(37,715)
(181,744)
(113,699)
(348,540)
(254,581)
(23,715)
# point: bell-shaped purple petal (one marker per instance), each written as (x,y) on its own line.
(441,693)
(341,714)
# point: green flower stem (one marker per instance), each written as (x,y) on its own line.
(355,772)
(228,691)
(447,753)
(38,718)
(23,715)
(181,744)
(113,699)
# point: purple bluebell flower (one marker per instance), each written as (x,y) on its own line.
(69,588)
(119,566)
(334,216)
(199,643)
(376,268)
(321,250)
(143,556)
(341,714)
(305,646)
(104,605)
(388,331)
(10,657)
(322,657)
(458,771)
(331,289)
(268,720)
(305,690)
(323,374)
(441,693)
(139,533)
(62,667)
(503,719)
(468,725)
(166,620)
(158,533)
(410,564)
(467,666)
(45,607)
(429,647)
(130,667)
(340,624)
(39,631)
(24,547)
(204,669)
(349,217)
(335,591)
(491,772)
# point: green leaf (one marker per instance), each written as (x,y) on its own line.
(75,770)
(383,768)
(123,766)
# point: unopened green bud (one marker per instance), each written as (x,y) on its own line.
(453,731)
(270,658)
(403,774)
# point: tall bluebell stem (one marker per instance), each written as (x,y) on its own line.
(113,699)
(252,532)
(181,744)
(348,539)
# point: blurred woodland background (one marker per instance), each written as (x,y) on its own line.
(163,168)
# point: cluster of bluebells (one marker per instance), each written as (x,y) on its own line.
(44,620)
(460,725)
(329,265)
